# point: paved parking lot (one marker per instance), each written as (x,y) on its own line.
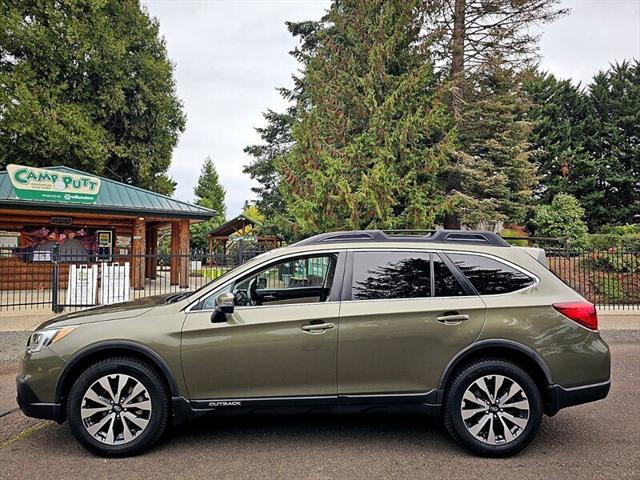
(600,440)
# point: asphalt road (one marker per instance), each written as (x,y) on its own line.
(599,440)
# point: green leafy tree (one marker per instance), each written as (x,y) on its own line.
(563,218)
(373,132)
(209,194)
(87,84)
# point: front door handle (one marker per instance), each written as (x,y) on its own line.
(317,327)
(450,317)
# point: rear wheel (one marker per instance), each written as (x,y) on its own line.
(493,408)
(118,407)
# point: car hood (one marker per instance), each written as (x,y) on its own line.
(117,311)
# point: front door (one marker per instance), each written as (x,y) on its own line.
(280,341)
(406,319)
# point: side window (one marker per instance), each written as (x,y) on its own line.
(378,275)
(490,276)
(445,282)
(300,280)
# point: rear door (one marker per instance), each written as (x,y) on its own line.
(404,316)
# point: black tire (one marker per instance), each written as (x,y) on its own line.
(157,393)
(456,425)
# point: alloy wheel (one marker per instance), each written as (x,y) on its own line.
(116,409)
(495,409)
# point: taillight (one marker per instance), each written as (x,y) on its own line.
(582,312)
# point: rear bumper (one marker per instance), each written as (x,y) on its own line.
(560,397)
(31,405)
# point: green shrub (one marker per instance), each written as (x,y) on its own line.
(507,234)
(564,218)
(605,241)
(614,262)
(610,288)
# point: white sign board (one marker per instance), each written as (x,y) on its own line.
(83,285)
(114,286)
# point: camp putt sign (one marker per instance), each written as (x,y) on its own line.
(52,186)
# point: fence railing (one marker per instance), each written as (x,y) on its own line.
(70,280)
(59,280)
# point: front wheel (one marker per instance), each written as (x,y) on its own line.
(118,407)
(493,408)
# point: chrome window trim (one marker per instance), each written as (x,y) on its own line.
(536,279)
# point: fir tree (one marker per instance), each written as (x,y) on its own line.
(492,161)
(373,132)
(210,194)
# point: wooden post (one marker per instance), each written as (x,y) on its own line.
(138,252)
(175,250)
(184,253)
(152,253)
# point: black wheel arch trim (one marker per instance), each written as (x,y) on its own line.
(120,345)
(485,345)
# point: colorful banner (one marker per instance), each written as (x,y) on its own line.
(32,183)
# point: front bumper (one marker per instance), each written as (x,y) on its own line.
(560,397)
(31,405)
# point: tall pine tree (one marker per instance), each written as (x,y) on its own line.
(373,132)
(210,194)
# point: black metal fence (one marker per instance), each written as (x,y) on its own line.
(71,280)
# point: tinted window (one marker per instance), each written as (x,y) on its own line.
(490,276)
(446,283)
(390,275)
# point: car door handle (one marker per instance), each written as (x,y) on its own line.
(452,317)
(314,327)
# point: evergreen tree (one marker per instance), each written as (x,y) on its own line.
(209,194)
(87,84)
(467,36)
(492,164)
(276,139)
(558,114)
(612,138)
(587,142)
(373,132)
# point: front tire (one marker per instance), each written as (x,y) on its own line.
(118,407)
(493,408)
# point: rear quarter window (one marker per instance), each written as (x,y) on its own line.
(490,276)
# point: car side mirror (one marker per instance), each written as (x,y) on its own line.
(225,303)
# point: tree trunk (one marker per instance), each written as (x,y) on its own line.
(457,59)
(452,219)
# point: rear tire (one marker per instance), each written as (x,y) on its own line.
(493,408)
(118,407)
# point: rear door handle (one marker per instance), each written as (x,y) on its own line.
(317,327)
(452,317)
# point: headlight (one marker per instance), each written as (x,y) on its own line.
(39,340)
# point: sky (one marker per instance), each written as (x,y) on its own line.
(231,55)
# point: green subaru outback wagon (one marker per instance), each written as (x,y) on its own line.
(454,323)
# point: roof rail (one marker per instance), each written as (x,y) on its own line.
(475,237)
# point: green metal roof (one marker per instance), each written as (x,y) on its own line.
(113,197)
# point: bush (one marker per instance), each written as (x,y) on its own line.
(507,234)
(610,288)
(564,218)
(605,241)
(614,262)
